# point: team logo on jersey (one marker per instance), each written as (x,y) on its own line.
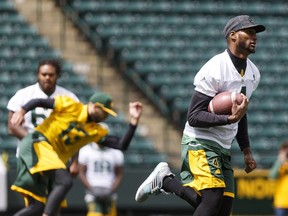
(217,171)
(216,163)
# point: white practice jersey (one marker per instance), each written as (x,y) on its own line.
(100,163)
(36,116)
(218,75)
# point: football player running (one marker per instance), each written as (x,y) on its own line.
(206,172)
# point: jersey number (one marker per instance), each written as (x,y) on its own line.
(102,167)
(72,134)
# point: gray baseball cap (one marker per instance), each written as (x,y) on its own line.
(241,22)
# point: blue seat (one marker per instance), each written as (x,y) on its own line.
(6,6)
(163,44)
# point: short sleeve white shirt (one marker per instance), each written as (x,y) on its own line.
(101,163)
(35,117)
(218,75)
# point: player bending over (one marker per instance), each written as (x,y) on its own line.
(44,153)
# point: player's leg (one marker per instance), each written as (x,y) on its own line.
(162,180)
(113,208)
(32,186)
(229,193)
(62,184)
(202,170)
(107,207)
(172,185)
(226,207)
(34,208)
(153,184)
(96,209)
(210,202)
(100,207)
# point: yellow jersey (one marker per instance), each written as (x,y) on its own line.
(67,128)
(281,192)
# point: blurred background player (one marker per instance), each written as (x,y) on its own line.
(69,127)
(279,172)
(101,172)
(48,73)
(206,171)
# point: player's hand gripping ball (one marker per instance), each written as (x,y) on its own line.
(222,103)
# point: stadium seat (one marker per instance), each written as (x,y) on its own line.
(6,6)
(21,48)
(165,43)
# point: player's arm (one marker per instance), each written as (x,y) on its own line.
(120,143)
(244,144)
(18,117)
(198,115)
(242,133)
(16,130)
(274,171)
(74,166)
(118,170)
(82,176)
(135,111)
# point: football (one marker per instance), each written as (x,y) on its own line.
(222,102)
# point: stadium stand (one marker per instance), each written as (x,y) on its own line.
(158,44)
(21,48)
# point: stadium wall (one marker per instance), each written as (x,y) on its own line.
(254,193)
